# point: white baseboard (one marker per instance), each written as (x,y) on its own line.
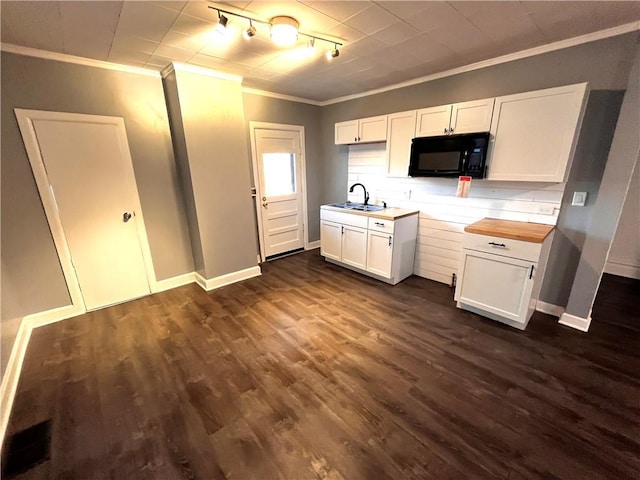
(623,269)
(11,375)
(572,321)
(175,282)
(227,279)
(312,245)
(549,308)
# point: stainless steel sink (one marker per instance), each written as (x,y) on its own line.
(357,206)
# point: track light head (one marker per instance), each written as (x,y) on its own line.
(311,44)
(222,23)
(333,53)
(249,32)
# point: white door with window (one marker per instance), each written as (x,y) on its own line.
(85,177)
(279,189)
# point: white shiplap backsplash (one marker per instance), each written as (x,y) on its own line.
(443,216)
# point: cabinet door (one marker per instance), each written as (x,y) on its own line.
(471,117)
(373,129)
(433,121)
(401,128)
(534,134)
(346,132)
(354,246)
(331,240)
(496,284)
(379,253)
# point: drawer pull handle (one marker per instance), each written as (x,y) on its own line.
(531,273)
(379,224)
(389,240)
(494,244)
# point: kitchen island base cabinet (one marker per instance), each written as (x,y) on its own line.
(500,278)
(380,248)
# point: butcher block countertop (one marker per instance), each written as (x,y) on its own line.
(391,213)
(525,231)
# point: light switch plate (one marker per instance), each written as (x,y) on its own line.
(579,199)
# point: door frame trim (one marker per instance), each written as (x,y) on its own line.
(25,120)
(303,167)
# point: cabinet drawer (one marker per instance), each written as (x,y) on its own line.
(379,225)
(502,246)
(344,218)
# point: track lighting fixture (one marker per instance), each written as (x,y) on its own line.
(249,32)
(222,23)
(284,30)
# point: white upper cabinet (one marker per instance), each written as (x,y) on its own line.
(433,121)
(363,130)
(533,134)
(401,129)
(465,117)
(471,117)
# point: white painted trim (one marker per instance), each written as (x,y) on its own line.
(184,67)
(312,245)
(227,279)
(623,269)
(175,282)
(530,52)
(87,62)
(572,321)
(11,375)
(27,130)
(549,308)
(256,179)
(280,96)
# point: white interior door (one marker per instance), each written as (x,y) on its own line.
(280,195)
(90,177)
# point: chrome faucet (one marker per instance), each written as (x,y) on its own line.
(366,195)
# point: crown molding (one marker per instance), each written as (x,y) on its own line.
(280,96)
(88,62)
(185,67)
(510,57)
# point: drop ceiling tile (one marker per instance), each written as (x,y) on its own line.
(201,10)
(146,20)
(396,33)
(128,57)
(425,48)
(435,15)
(208,61)
(158,61)
(188,42)
(404,10)
(174,53)
(89,28)
(339,10)
(365,46)
(607,15)
(371,20)
(133,44)
(345,33)
(32,24)
(189,25)
(171,5)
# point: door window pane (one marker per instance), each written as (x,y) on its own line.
(279,170)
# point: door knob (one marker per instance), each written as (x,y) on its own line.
(126,216)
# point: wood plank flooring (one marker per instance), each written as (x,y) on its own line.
(312,371)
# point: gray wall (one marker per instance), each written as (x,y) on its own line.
(216,154)
(266,109)
(28,254)
(572,228)
(605,64)
(624,154)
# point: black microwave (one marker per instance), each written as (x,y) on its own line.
(449,155)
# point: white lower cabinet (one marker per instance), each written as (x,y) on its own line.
(500,278)
(379,253)
(381,248)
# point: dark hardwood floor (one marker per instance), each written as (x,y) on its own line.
(313,371)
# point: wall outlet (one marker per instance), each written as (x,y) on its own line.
(579,199)
(546,209)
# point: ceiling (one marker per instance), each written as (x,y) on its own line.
(385,42)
